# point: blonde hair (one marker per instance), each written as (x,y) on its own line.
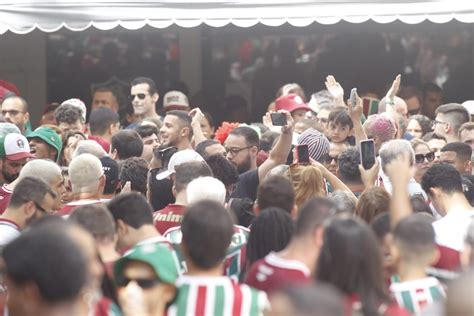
(307,182)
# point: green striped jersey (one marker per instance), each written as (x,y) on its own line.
(235,259)
(216,296)
(416,295)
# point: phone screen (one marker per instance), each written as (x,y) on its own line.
(303,154)
(367,153)
(278,119)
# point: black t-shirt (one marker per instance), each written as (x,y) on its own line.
(247,186)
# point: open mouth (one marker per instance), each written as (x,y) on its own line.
(32,150)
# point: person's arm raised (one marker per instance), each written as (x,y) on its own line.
(400,172)
(336,184)
(336,90)
(355,111)
(369,176)
(197,116)
(279,153)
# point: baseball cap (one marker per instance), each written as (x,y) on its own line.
(14,147)
(49,136)
(175,100)
(469,105)
(318,144)
(291,102)
(178,158)
(78,104)
(111,171)
(161,258)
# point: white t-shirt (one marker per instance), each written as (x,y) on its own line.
(451,230)
(8,231)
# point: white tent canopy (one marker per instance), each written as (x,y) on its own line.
(20,16)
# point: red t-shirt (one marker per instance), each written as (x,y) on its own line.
(170,216)
(273,272)
(5,194)
(67,209)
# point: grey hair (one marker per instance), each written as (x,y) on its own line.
(199,189)
(46,170)
(343,201)
(394,148)
(85,172)
(89,147)
(8,128)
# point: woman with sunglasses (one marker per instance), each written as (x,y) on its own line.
(424,158)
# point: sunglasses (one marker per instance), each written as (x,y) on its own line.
(140,96)
(143,283)
(420,158)
(328,159)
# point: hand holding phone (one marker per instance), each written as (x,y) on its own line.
(278,119)
(367,153)
(353,97)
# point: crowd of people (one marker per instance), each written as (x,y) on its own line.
(163,213)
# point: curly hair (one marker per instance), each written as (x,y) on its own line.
(67,114)
(135,170)
(348,164)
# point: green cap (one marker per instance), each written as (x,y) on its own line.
(49,136)
(159,256)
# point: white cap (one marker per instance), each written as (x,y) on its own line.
(469,105)
(16,147)
(78,104)
(178,158)
(175,100)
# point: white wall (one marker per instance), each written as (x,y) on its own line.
(23,62)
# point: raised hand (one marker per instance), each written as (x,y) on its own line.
(392,92)
(335,89)
(196,115)
(399,169)
(355,110)
(369,176)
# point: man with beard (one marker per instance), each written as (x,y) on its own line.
(144,96)
(15,110)
(242,146)
(176,130)
(14,152)
(31,199)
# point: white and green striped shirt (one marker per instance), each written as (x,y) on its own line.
(216,296)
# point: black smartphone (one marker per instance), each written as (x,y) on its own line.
(278,119)
(302,154)
(367,153)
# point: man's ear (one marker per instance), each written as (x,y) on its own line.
(114,154)
(468,166)
(173,190)
(447,128)
(102,180)
(185,132)
(29,209)
(155,97)
(294,212)
(122,228)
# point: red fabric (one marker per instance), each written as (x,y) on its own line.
(449,259)
(261,157)
(277,279)
(224,130)
(237,308)
(201,301)
(170,216)
(4,198)
(102,142)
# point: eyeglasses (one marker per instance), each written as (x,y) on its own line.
(143,283)
(235,150)
(420,158)
(435,122)
(328,158)
(11,112)
(39,207)
(140,96)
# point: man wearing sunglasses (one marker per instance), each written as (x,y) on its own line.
(457,154)
(31,199)
(146,272)
(143,96)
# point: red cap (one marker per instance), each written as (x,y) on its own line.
(291,102)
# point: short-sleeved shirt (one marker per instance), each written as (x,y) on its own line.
(8,231)
(416,295)
(451,229)
(247,186)
(272,272)
(5,194)
(170,216)
(235,260)
(217,296)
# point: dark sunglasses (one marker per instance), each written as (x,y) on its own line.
(141,96)
(328,159)
(143,283)
(420,158)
